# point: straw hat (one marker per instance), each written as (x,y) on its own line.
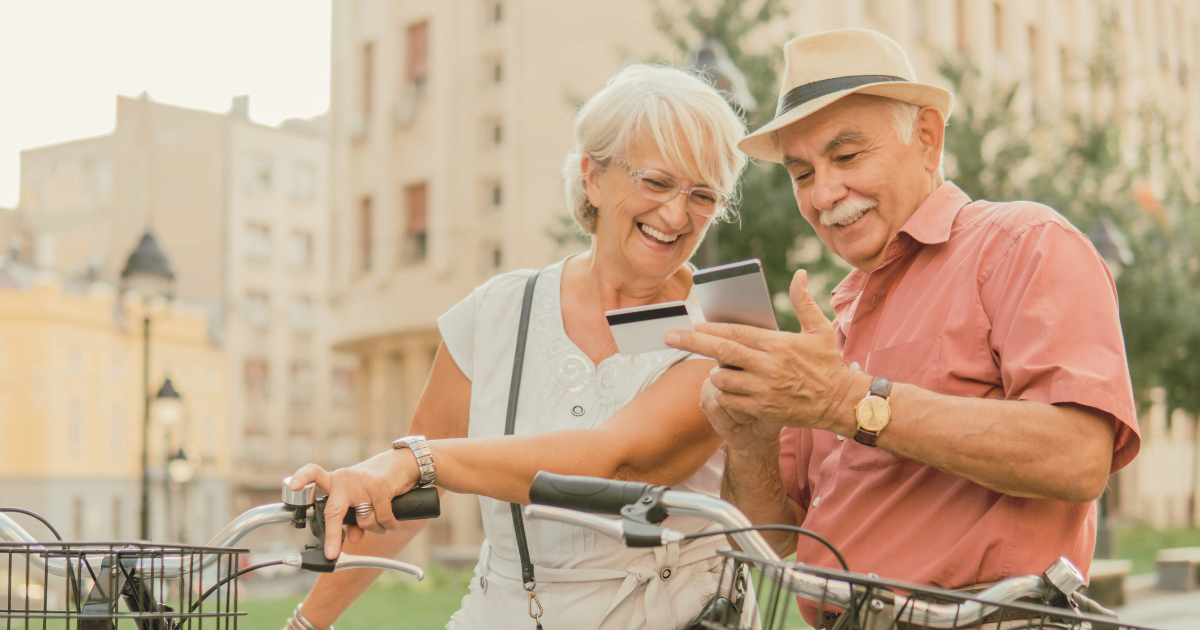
(825,67)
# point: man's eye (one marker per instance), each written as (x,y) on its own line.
(802,177)
(846,158)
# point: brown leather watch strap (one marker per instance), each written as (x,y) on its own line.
(881,387)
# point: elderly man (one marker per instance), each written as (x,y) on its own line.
(956,422)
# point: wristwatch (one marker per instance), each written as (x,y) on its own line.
(420,449)
(873,413)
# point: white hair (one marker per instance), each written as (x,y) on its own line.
(904,121)
(693,127)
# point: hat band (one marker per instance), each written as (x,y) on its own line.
(802,94)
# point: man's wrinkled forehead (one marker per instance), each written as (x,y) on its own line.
(840,138)
(847,121)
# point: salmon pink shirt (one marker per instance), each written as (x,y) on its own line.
(989,300)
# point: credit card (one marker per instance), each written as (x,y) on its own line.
(641,328)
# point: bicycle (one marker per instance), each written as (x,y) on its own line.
(96,586)
(845,600)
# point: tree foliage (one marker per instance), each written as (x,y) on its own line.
(1091,168)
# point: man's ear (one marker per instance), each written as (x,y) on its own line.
(931,132)
(590,174)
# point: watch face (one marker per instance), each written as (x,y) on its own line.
(873,413)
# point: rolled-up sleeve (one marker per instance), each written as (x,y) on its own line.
(1056,330)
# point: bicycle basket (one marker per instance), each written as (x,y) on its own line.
(769,588)
(110,586)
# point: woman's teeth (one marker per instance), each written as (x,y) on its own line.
(656,235)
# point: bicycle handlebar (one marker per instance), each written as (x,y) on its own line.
(568,492)
(414,505)
(420,503)
(585,494)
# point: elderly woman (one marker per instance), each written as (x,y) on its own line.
(655,161)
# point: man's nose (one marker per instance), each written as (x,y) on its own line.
(827,190)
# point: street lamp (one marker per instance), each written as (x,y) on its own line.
(147,272)
(711,59)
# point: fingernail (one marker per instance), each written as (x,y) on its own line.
(329,552)
(671,338)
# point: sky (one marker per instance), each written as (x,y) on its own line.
(63,63)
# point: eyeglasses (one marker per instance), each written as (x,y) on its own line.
(658,186)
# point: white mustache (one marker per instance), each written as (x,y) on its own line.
(847,212)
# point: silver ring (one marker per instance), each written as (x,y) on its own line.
(364,510)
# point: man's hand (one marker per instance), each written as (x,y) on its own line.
(787,379)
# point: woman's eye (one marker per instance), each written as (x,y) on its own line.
(656,184)
(707,199)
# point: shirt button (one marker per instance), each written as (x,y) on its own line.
(577,410)
(816,501)
(841,438)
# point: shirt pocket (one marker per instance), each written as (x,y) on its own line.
(915,363)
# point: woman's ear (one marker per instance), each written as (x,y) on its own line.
(591,175)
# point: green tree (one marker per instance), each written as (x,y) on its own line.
(768,225)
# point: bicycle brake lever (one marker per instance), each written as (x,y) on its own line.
(611,528)
(314,560)
(348,561)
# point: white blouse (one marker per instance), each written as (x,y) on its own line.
(584,580)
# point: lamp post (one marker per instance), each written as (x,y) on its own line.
(168,412)
(147,272)
(710,59)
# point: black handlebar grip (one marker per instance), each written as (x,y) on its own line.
(416,504)
(585,494)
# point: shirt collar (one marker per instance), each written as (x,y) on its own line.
(934,218)
(929,225)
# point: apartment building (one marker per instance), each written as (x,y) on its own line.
(71,410)
(241,211)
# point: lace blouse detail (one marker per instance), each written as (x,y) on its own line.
(589,392)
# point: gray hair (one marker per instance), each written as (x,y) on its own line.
(904,121)
(692,125)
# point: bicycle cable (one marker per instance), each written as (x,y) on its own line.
(784,528)
(34,515)
(227,579)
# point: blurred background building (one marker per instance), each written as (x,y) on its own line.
(71,410)
(241,211)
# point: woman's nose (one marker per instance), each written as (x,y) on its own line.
(675,212)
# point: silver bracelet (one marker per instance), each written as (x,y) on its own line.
(298,622)
(420,450)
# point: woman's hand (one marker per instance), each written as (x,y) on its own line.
(374,482)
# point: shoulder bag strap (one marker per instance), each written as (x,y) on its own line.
(510,424)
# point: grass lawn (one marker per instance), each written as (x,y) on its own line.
(1140,542)
(390,603)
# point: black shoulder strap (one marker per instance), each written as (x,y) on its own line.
(510,422)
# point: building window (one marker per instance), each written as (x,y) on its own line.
(495,12)
(300,251)
(368,80)
(365,238)
(258,309)
(117,510)
(301,385)
(343,387)
(497,72)
(495,195)
(300,313)
(418,54)
(491,259)
(257,377)
(256,174)
(304,182)
(415,239)
(75,428)
(258,242)
(117,431)
(1035,68)
(916,18)
(998,27)
(960,25)
(496,133)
